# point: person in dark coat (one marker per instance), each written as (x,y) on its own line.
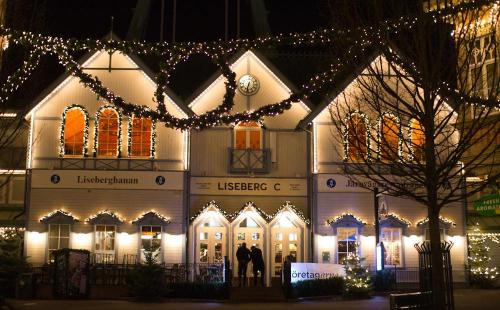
(258,265)
(243,257)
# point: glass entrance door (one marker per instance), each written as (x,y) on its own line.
(211,242)
(251,233)
(285,241)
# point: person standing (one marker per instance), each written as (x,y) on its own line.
(243,257)
(258,265)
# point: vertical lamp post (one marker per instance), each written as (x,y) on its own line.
(379,259)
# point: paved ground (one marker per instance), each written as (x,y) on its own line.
(464,299)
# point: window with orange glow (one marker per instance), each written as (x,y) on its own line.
(417,140)
(108,133)
(248,135)
(356,138)
(74,127)
(140,140)
(389,138)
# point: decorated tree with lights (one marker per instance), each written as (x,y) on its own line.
(426,112)
(357,280)
(481,274)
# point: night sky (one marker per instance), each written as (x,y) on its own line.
(196,20)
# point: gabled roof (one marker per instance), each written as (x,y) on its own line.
(339,88)
(216,76)
(87,58)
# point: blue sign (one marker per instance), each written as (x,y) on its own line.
(55,179)
(331,183)
(160,180)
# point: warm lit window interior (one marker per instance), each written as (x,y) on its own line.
(347,242)
(417,140)
(108,133)
(248,136)
(58,238)
(391,237)
(356,138)
(389,138)
(151,241)
(140,142)
(74,127)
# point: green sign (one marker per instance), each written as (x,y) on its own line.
(488,205)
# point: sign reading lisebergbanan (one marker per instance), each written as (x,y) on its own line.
(157,180)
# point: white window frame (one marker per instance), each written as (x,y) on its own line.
(338,240)
(400,241)
(161,241)
(49,250)
(247,131)
(105,252)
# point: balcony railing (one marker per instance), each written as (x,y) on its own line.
(249,160)
(109,164)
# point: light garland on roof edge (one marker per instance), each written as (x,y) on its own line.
(59,211)
(217,52)
(154,213)
(105,212)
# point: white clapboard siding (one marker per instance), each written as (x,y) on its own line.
(209,152)
(174,248)
(130,204)
(35,247)
(291,155)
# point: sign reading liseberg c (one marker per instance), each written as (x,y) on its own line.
(157,180)
(248,186)
(313,271)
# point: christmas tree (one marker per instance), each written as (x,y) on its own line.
(481,274)
(357,281)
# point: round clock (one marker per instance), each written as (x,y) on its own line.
(248,85)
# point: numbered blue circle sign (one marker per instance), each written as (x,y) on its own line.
(160,180)
(55,178)
(331,183)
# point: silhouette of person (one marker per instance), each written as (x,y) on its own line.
(258,265)
(243,257)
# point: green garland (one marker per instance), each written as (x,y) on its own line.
(218,52)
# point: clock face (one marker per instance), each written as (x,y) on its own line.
(248,85)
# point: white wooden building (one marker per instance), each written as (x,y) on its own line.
(113,185)
(99,180)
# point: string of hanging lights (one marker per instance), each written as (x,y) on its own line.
(172,54)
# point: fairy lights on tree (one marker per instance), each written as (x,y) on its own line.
(357,280)
(481,273)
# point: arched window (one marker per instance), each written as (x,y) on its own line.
(140,137)
(417,140)
(74,131)
(389,138)
(108,132)
(248,135)
(356,139)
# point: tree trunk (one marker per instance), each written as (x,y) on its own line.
(437,271)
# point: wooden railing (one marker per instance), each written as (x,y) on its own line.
(249,160)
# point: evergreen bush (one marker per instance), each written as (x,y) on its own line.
(147,280)
(319,287)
